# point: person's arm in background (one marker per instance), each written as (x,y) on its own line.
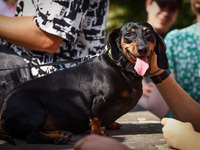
(180,103)
(179,134)
(184,107)
(23,31)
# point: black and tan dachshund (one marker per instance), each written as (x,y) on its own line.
(88,96)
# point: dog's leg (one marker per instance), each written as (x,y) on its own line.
(96,126)
(113,126)
(36,137)
(52,137)
(59,136)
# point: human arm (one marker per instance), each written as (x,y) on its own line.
(96,142)
(180,103)
(23,31)
(180,135)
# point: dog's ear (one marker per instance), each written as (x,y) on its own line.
(113,43)
(160,51)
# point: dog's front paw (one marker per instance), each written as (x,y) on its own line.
(114,126)
(63,138)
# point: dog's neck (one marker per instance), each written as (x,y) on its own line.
(123,63)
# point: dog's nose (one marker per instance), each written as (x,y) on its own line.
(142,50)
(141,46)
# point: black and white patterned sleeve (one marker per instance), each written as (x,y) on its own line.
(60,17)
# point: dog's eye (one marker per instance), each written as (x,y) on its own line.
(150,37)
(148,34)
(129,35)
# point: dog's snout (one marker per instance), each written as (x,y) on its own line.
(142,49)
(141,46)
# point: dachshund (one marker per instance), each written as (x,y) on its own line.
(88,96)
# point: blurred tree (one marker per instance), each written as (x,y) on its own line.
(123,11)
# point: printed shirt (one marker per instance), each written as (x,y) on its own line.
(81,23)
(183,51)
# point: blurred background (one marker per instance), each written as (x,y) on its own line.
(123,11)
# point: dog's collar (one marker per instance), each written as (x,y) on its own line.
(123,62)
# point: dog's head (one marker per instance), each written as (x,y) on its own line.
(137,41)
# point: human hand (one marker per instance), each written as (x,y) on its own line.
(96,142)
(159,58)
(177,134)
(155,70)
(153,64)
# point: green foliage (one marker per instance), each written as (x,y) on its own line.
(186,16)
(123,11)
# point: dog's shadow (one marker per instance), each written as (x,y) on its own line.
(127,129)
(135,129)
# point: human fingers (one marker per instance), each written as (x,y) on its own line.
(164,120)
(78,145)
(153,64)
(93,142)
(170,120)
(189,125)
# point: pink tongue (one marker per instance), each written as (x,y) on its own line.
(141,65)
